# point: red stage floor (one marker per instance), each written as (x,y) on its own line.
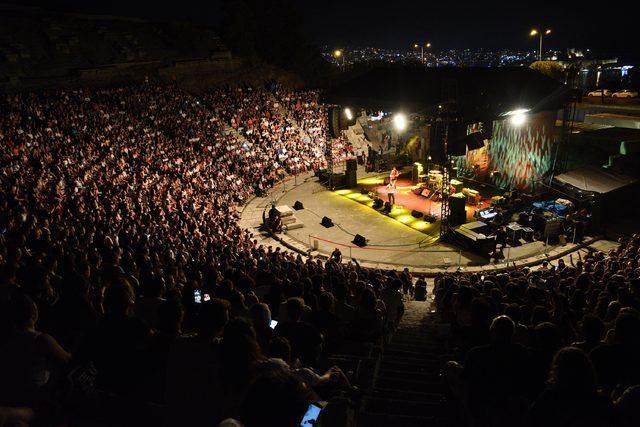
(409,200)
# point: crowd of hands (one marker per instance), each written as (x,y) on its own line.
(552,346)
(118,207)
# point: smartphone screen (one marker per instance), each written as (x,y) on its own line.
(197,296)
(311,416)
(273,324)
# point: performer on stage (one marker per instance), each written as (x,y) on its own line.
(391,192)
(393,176)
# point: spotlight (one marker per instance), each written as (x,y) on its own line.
(348,113)
(518,119)
(400,121)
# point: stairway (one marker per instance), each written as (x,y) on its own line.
(407,388)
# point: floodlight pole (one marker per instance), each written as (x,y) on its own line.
(445,213)
(540,51)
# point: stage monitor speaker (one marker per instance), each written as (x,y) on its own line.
(326,222)
(298,205)
(430,218)
(457,214)
(359,240)
(351,178)
(377,203)
(352,164)
(416,214)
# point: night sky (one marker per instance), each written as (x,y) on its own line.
(398,23)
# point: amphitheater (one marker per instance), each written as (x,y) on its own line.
(130,203)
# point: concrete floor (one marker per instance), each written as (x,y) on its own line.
(389,242)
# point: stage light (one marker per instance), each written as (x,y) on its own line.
(400,121)
(548,32)
(337,53)
(533,33)
(517,117)
(348,113)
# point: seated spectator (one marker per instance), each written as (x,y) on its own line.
(31,362)
(306,341)
(261,319)
(592,333)
(571,398)
(192,365)
(328,324)
(493,381)
(616,363)
(394,304)
(148,304)
(275,398)
(367,325)
(420,291)
(345,311)
(116,346)
(627,407)
(169,331)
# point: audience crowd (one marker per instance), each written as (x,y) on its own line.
(127,288)
(556,346)
(128,291)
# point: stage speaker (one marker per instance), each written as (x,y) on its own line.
(430,218)
(326,222)
(456,144)
(359,240)
(487,128)
(351,179)
(298,205)
(457,214)
(352,164)
(338,180)
(416,214)
(334,122)
(377,203)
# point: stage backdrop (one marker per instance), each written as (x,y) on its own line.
(522,155)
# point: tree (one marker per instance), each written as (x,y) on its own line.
(550,69)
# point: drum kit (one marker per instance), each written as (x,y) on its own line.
(434,179)
(432,185)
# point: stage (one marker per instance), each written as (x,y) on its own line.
(406,202)
(390,243)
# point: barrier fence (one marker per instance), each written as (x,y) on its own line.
(315,243)
(403,255)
